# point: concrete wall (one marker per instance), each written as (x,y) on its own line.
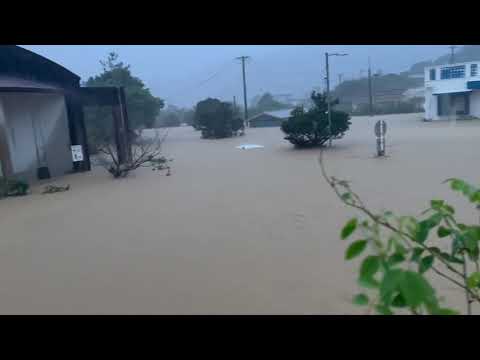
(37,132)
(4,153)
(475,103)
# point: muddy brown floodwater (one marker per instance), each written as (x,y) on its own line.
(231,231)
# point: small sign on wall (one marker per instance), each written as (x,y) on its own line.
(77,153)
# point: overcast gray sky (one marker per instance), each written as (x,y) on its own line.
(177,73)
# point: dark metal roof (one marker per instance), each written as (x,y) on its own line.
(20,63)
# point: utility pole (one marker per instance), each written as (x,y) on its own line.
(243,58)
(328,102)
(327,55)
(370,97)
(452,55)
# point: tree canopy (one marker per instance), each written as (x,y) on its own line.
(310,127)
(142,106)
(216,119)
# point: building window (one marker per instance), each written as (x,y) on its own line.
(432,74)
(452,72)
(474,70)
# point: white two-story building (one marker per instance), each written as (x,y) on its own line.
(452,91)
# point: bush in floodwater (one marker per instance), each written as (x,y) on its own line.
(11,187)
(306,128)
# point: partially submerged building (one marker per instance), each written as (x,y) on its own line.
(269,118)
(452,91)
(42,128)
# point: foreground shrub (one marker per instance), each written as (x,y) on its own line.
(399,252)
(310,128)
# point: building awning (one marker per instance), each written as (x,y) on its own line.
(12,84)
(441,92)
(474,85)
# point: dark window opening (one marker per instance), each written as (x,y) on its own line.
(452,72)
(473,70)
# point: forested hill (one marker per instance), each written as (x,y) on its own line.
(356,91)
(463,54)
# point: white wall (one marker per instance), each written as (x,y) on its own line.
(3,139)
(448,86)
(431,104)
(38,134)
(475,103)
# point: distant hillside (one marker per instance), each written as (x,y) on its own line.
(390,85)
(464,54)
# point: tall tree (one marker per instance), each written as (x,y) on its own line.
(216,119)
(142,106)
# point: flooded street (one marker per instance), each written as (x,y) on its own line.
(232,231)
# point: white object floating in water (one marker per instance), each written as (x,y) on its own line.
(249,146)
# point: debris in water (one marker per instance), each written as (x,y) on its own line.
(249,146)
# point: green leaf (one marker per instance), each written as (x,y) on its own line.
(416,290)
(399,248)
(443,232)
(390,284)
(449,209)
(355,249)
(451,258)
(445,311)
(396,259)
(470,243)
(399,301)
(436,204)
(434,220)
(457,184)
(383,310)
(349,228)
(457,244)
(473,280)
(422,232)
(346,196)
(361,299)
(475,197)
(426,263)
(423,227)
(369,283)
(388,214)
(369,267)
(417,253)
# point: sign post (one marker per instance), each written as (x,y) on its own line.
(380,130)
(77,153)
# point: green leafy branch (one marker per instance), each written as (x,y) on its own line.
(403,253)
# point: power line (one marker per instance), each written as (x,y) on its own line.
(189,89)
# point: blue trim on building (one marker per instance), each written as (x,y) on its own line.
(473,85)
